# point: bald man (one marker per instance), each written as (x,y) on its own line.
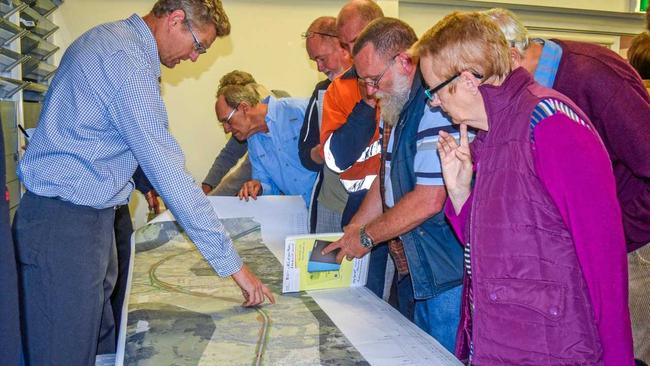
(329,197)
(350,131)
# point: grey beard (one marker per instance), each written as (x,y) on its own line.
(392,104)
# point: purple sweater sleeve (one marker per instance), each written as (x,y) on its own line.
(459,221)
(575,169)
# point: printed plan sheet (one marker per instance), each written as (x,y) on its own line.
(179,311)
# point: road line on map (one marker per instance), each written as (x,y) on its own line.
(260,347)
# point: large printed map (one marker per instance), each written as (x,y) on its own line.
(182,313)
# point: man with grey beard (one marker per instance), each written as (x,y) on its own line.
(407,201)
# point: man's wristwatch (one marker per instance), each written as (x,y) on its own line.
(366,240)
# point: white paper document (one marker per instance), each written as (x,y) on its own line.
(280,216)
(381,334)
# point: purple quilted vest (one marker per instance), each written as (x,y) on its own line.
(531,303)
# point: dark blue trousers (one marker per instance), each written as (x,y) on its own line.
(123,229)
(9,318)
(67,268)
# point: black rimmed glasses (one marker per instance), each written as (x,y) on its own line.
(374,82)
(431,92)
(309,34)
(198,46)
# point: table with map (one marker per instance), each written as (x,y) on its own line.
(181,313)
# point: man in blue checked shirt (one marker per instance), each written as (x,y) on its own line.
(102,116)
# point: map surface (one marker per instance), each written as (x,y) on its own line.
(182,313)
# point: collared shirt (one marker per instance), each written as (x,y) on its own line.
(549,61)
(274,155)
(427,167)
(102,116)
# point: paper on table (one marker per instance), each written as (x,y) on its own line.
(393,340)
(379,332)
(280,216)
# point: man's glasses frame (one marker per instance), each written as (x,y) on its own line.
(374,82)
(431,92)
(309,34)
(198,46)
(229,117)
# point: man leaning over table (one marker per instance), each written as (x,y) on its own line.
(102,116)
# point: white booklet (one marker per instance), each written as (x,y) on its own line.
(306,268)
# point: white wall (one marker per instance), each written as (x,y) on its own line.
(590,24)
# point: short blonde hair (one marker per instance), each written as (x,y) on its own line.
(466,42)
(199,12)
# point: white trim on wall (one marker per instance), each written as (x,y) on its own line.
(596,26)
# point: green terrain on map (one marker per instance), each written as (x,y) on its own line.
(182,313)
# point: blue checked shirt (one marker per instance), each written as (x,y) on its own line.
(549,62)
(102,116)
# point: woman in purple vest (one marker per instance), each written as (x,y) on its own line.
(533,200)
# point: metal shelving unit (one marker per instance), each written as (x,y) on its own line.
(9,87)
(35,46)
(8,7)
(10,59)
(25,70)
(9,32)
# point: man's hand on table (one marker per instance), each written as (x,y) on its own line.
(252,188)
(253,290)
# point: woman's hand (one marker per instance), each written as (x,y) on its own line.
(456,162)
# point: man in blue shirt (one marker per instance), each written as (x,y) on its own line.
(272,128)
(102,116)
(407,200)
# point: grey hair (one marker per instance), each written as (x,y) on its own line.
(199,12)
(389,36)
(515,32)
(235,94)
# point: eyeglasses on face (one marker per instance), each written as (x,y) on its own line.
(309,34)
(432,92)
(374,82)
(198,47)
(229,117)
